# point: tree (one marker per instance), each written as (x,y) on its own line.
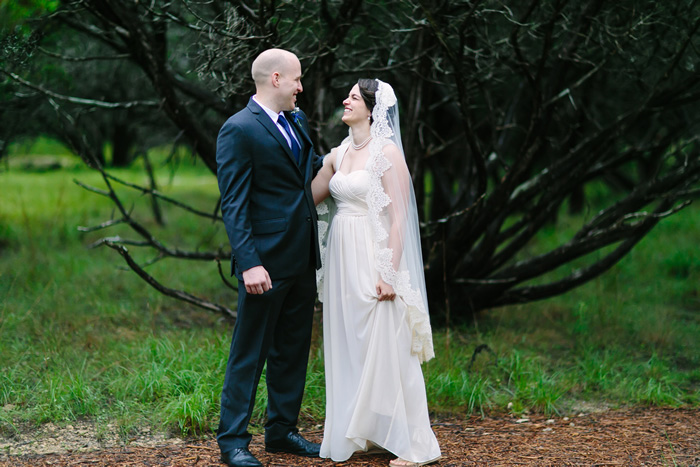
(55,61)
(511,111)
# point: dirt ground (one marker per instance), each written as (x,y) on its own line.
(639,437)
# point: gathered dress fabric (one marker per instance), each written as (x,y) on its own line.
(375,392)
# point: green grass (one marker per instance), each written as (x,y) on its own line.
(629,337)
(80,337)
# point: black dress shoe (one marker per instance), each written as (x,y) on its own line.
(294,443)
(240,457)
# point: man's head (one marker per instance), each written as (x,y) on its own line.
(277,76)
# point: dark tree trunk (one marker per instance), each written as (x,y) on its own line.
(121,145)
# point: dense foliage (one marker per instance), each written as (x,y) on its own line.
(512,111)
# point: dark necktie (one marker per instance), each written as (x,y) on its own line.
(296,150)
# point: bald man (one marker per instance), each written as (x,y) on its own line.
(265,164)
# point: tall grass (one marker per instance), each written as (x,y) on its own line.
(80,337)
(629,337)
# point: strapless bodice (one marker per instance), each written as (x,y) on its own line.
(350,192)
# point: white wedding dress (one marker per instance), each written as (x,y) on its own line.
(375,393)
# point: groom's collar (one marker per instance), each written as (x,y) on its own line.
(271,113)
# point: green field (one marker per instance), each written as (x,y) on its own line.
(81,337)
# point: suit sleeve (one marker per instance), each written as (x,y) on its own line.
(234,174)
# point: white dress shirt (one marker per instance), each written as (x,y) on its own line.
(274,116)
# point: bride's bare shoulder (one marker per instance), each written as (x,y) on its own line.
(393,153)
(331,155)
(390,149)
(330,158)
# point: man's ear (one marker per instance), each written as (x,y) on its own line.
(275,79)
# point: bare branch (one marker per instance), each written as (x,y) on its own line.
(92,188)
(117,240)
(223,277)
(212,27)
(577,277)
(452,215)
(103,225)
(159,195)
(78,100)
(178,294)
(83,59)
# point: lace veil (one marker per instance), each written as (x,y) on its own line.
(394,217)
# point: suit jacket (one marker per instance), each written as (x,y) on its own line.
(266,199)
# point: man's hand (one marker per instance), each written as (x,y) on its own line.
(385,291)
(256,280)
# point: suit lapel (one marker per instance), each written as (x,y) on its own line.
(298,129)
(302,137)
(271,127)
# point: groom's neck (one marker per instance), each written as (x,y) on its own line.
(268,101)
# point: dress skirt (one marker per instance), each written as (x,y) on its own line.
(375,393)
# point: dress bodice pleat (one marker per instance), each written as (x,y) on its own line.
(350,192)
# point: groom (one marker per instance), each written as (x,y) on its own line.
(265,164)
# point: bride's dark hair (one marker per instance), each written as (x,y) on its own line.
(368,89)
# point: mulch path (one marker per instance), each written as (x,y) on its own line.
(637,437)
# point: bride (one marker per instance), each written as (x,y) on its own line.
(375,314)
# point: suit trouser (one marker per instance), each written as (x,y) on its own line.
(274,326)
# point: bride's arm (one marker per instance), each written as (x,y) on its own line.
(319,185)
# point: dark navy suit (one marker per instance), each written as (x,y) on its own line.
(270,219)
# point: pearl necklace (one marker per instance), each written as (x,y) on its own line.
(357,147)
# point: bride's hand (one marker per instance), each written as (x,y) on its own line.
(385,291)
